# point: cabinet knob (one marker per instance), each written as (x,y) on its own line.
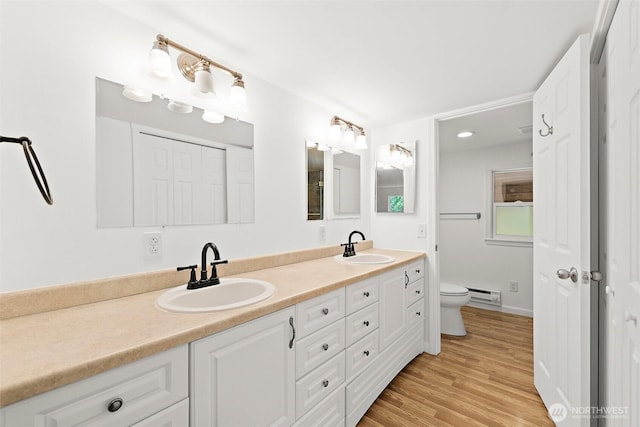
(325,383)
(418,313)
(325,311)
(115,404)
(366,323)
(366,294)
(366,352)
(418,291)
(325,347)
(418,270)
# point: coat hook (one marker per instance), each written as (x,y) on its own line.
(549,128)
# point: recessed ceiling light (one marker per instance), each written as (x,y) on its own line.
(465,134)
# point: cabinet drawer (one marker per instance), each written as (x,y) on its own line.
(361,323)
(361,354)
(318,384)
(319,312)
(330,413)
(415,291)
(174,416)
(415,271)
(361,294)
(415,313)
(315,349)
(145,387)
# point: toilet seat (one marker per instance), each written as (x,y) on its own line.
(449,289)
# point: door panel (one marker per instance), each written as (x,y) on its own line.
(561,233)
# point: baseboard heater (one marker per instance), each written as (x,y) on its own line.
(485,297)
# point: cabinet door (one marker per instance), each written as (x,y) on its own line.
(393,317)
(245,376)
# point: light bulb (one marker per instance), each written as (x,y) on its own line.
(212,117)
(159,62)
(238,96)
(335,132)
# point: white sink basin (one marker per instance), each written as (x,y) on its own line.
(230,293)
(366,259)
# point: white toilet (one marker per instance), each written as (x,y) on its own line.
(452,297)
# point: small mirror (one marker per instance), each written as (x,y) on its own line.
(346,184)
(396,178)
(315,182)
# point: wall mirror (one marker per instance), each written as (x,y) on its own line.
(315,182)
(346,184)
(159,165)
(396,178)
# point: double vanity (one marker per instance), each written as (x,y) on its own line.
(317,350)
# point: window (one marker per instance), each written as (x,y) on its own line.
(512,205)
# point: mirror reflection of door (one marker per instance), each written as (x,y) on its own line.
(346,183)
(315,183)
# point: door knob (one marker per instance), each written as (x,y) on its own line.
(572,274)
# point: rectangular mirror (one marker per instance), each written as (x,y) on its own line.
(346,184)
(315,182)
(396,178)
(157,167)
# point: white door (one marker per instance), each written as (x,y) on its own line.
(561,236)
(622,224)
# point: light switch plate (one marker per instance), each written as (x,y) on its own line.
(422,231)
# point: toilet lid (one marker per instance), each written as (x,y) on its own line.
(451,289)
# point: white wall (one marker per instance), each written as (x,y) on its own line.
(465,257)
(51,54)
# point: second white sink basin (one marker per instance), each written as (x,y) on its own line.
(230,293)
(366,259)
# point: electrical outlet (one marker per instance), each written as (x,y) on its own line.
(513,286)
(422,231)
(152,245)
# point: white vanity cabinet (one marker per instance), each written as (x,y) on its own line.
(245,376)
(141,393)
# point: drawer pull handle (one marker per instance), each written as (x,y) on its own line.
(325,347)
(325,311)
(325,383)
(115,404)
(366,352)
(366,294)
(418,291)
(366,323)
(293,331)
(418,313)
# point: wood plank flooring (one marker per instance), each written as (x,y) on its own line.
(482,379)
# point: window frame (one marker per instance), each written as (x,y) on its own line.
(492,238)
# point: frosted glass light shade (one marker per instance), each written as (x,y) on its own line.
(204,81)
(179,107)
(349,137)
(335,132)
(159,62)
(361,142)
(212,117)
(238,98)
(135,94)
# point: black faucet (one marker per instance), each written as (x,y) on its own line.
(204,281)
(349,249)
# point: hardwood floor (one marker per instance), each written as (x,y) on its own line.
(482,379)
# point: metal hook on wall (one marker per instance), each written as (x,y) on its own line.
(549,128)
(30,154)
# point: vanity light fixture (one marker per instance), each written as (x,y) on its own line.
(196,68)
(466,134)
(400,156)
(212,117)
(347,138)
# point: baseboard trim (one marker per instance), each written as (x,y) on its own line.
(504,309)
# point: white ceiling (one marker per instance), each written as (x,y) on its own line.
(379,62)
(500,126)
